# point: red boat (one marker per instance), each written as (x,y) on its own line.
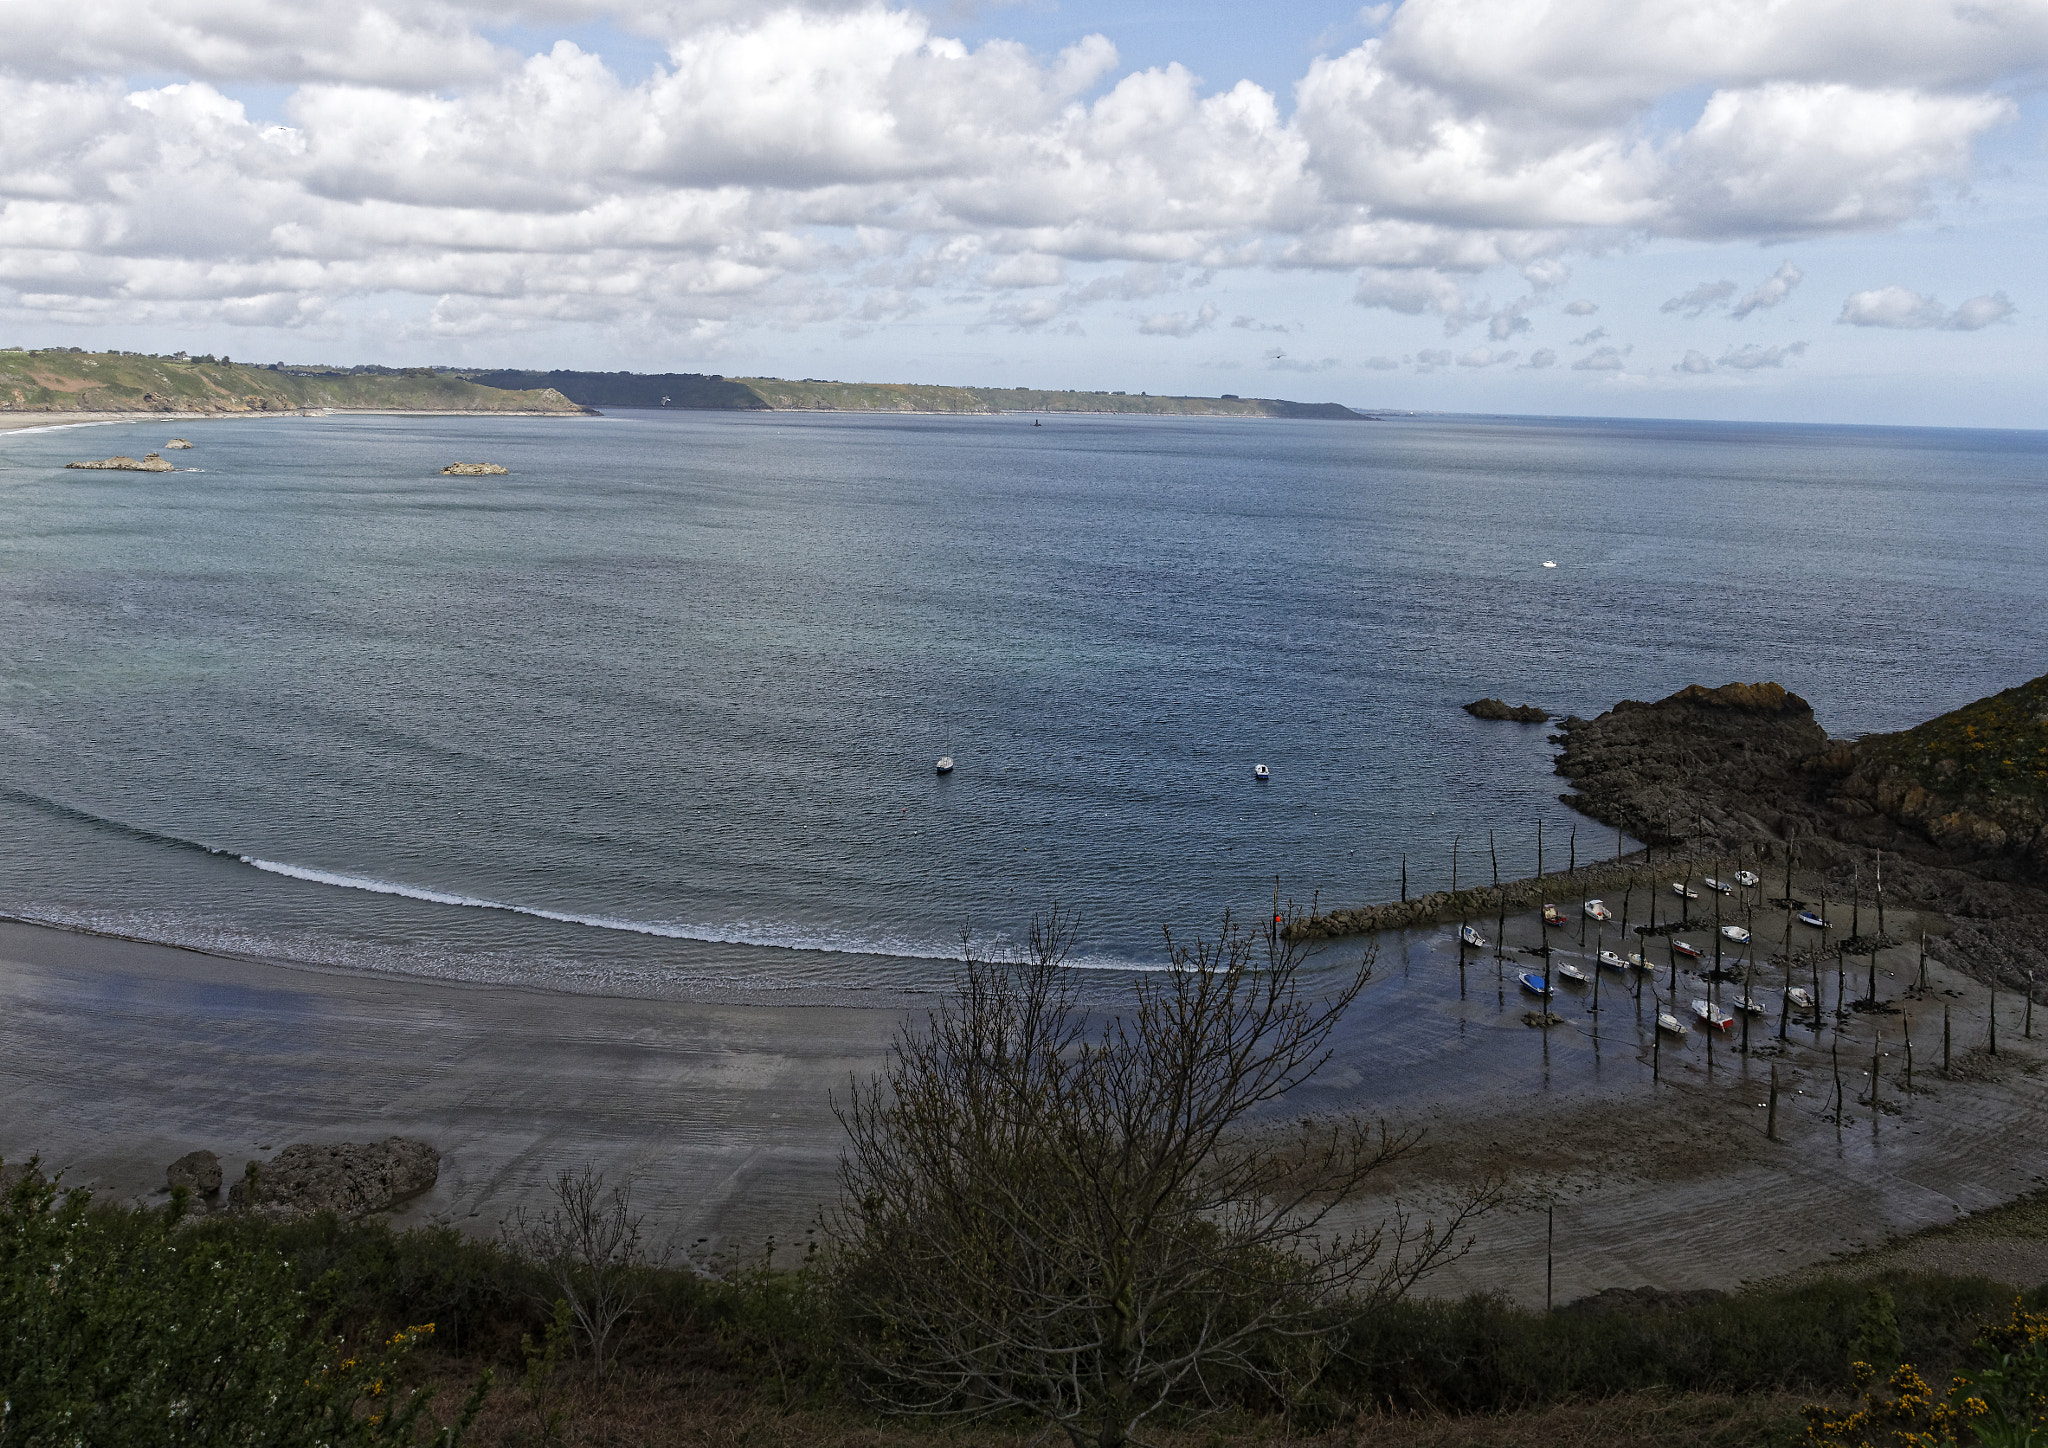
(1690,952)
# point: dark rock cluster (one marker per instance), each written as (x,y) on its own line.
(349,1180)
(1499,709)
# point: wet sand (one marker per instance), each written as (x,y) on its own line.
(121,1056)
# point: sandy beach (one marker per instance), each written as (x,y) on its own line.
(121,1056)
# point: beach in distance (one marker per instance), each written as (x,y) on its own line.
(588,812)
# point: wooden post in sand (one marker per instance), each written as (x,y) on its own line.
(1994,1011)
(1404,879)
(1785,1004)
(1656,1039)
(1923,961)
(1539,849)
(1572,858)
(1771,1120)
(1841,980)
(1907,1026)
(1494,855)
(1947,1035)
(1835,1051)
(2028,1029)
(1549,1256)
(1789,852)
(1880,892)
(1454,864)
(1873,978)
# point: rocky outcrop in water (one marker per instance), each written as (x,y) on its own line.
(176,442)
(196,1171)
(151,463)
(349,1180)
(474,470)
(1501,710)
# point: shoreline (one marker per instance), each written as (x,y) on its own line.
(23,423)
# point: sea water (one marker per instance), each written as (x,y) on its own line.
(658,711)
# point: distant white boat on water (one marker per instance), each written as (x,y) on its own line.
(1550,563)
(1259,771)
(945,765)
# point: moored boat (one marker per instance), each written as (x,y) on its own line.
(1683,891)
(1611,960)
(1552,915)
(1801,997)
(1597,910)
(1471,937)
(1753,1006)
(1811,917)
(945,765)
(1668,1022)
(1736,933)
(1534,984)
(1712,1015)
(1259,771)
(1690,952)
(1572,972)
(1748,879)
(1719,887)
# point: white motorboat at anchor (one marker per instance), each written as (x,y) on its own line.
(1712,1015)
(1572,972)
(1471,937)
(1260,772)
(1597,910)
(1736,933)
(1719,887)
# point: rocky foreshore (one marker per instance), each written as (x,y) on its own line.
(1952,815)
(148,463)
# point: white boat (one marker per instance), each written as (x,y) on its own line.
(1572,972)
(1612,961)
(1472,937)
(1719,887)
(1259,771)
(945,765)
(1597,910)
(1668,1022)
(1534,984)
(1800,997)
(1712,1015)
(1754,1007)
(1809,917)
(1736,933)
(1679,889)
(1748,879)
(1550,563)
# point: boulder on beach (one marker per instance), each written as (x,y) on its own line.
(474,470)
(175,443)
(349,1180)
(1501,709)
(197,1171)
(152,463)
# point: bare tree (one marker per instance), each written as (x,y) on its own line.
(590,1244)
(1080,1217)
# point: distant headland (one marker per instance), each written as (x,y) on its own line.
(70,381)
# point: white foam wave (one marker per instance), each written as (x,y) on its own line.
(753,933)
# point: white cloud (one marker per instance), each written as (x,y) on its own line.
(1542,357)
(1897,307)
(1431,358)
(1601,359)
(1773,290)
(1380,364)
(1581,308)
(1700,298)
(1750,356)
(1179,324)
(836,161)
(1597,334)
(1695,362)
(1486,357)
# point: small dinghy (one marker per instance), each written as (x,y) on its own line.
(1809,917)
(1712,1015)
(1690,952)
(1597,910)
(1612,961)
(1719,887)
(1668,1022)
(1572,972)
(1683,891)
(1471,937)
(1754,1007)
(1748,879)
(1534,984)
(1260,772)
(1736,933)
(1801,997)
(1552,915)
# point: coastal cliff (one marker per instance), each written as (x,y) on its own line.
(63,381)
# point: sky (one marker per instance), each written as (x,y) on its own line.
(1800,210)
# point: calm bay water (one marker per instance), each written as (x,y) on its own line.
(657,713)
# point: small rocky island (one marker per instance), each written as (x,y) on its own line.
(1501,709)
(152,463)
(474,470)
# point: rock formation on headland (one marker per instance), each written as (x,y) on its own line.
(153,463)
(474,470)
(1958,806)
(1500,709)
(348,1180)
